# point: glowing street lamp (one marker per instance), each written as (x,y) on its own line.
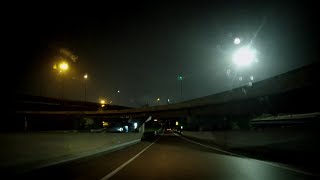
(237,41)
(102,101)
(180,78)
(85,77)
(244,56)
(63,66)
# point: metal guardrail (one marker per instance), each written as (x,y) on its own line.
(288,117)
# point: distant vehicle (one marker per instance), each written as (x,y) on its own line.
(168,131)
(115,129)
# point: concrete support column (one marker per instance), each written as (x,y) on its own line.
(141,129)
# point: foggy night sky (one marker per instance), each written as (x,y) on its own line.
(141,48)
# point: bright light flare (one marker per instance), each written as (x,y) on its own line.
(85,76)
(63,66)
(244,56)
(135,125)
(102,101)
(237,41)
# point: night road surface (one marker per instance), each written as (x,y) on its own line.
(167,157)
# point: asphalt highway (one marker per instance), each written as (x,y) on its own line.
(168,156)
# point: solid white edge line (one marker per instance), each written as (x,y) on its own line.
(265,162)
(126,163)
(211,147)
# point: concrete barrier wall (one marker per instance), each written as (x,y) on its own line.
(290,139)
(24,151)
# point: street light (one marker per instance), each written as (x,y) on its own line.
(63,66)
(180,78)
(102,101)
(244,56)
(237,41)
(85,77)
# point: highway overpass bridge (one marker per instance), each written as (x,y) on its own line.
(293,92)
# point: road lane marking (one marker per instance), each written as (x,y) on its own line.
(108,176)
(211,147)
(264,162)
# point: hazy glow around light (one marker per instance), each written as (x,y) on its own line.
(85,76)
(158,99)
(237,41)
(63,66)
(244,56)
(102,102)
